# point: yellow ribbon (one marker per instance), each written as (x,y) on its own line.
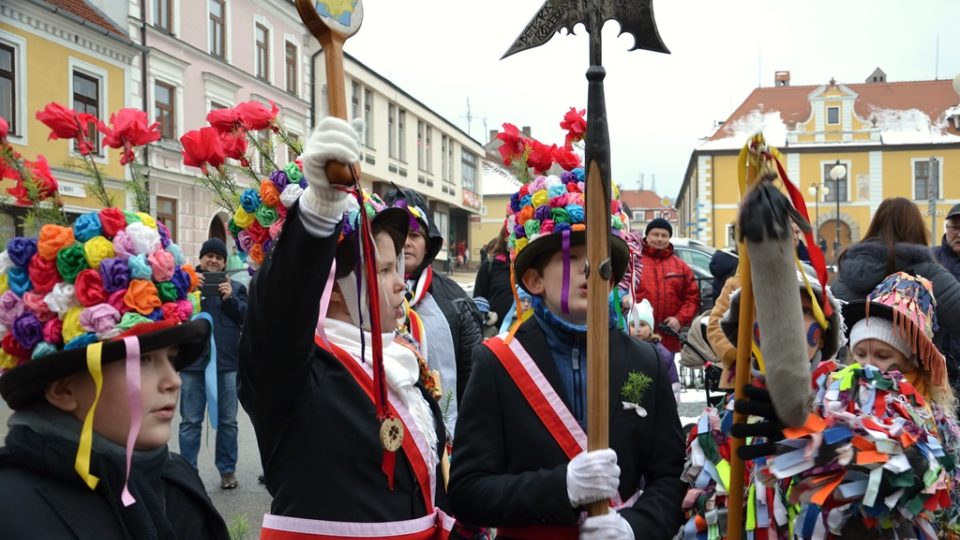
(82,464)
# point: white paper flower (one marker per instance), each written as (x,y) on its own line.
(61,298)
(145,240)
(290,194)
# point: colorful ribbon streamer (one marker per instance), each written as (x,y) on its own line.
(82,463)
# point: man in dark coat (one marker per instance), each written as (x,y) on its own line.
(949,256)
(310,396)
(227,306)
(520,461)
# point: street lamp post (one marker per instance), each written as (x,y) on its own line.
(837,173)
(817,191)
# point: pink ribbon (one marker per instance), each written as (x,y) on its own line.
(132,345)
(565,292)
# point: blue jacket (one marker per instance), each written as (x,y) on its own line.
(227,322)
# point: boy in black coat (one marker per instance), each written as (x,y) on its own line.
(520,462)
(93,391)
(310,395)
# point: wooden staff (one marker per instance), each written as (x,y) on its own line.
(635,18)
(332,29)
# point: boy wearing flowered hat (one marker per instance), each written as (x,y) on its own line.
(96,322)
(347,449)
(521,463)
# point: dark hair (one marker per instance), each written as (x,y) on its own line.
(498,244)
(897,220)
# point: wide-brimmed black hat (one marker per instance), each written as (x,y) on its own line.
(25,384)
(393,221)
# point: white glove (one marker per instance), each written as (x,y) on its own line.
(610,526)
(333,140)
(592,476)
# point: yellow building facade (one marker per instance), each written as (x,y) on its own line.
(882,135)
(55,58)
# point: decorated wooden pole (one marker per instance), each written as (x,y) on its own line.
(635,18)
(332,23)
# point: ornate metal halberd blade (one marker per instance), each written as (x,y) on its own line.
(635,18)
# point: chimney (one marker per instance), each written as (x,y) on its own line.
(493,135)
(781,78)
(526,131)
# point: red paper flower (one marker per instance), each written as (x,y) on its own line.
(566,158)
(235,146)
(41,175)
(258,232)
(4,129)
(89,288)
(130,129)
(69,124)
(514,143)
(541,156)
(112,220)
(43,274)
(225,120)
(13,347)
(255,115)
(575,126)
(201,147)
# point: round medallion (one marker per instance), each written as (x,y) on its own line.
(391,434)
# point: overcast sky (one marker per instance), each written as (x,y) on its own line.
(444,52)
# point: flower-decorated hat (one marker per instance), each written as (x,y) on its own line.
(111,275)
(257,222)
(549,210)
(394,221)
(906,301)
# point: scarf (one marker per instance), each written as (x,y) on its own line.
(402,372)
(45,439)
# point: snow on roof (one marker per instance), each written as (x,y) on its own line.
(911,126)
(770,123)
(498,181)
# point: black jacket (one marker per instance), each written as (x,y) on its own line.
(493,283)
(43,497)
(317,430)
(465,323)
(509,471)
(227,322)
(951,338)
(863,266)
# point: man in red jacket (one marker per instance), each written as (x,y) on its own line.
(667,282)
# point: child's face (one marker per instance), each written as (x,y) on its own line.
(814,333)
(391,283)
(548,284)
(159,390)
(873,352)
(641,330)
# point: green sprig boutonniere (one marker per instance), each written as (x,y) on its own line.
(632,392)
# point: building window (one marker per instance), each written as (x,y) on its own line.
(262,52)
(218,39)
(838,187)
(86,99)
(429,144)
(291,68)
(925,178)
(167,214)
(8,86)
(163,14)
(468,164)
(391,130)
(292,154)
(421,154)
(164,112)
(368,117)
(833,115)
(214,106)
(402,135)
(354,99)
(443,223)
(444,159)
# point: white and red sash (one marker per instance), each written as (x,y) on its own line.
(435,525)
(555,416)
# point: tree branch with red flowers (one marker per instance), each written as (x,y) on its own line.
(35,186)
(67,123)
(524,154)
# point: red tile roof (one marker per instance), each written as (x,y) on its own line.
(88,12)
(641,198)
(933,98)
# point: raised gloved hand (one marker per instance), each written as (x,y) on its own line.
(610,526)
(333,140)
(592,476)
(771,428)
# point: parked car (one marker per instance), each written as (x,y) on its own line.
(697,255)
